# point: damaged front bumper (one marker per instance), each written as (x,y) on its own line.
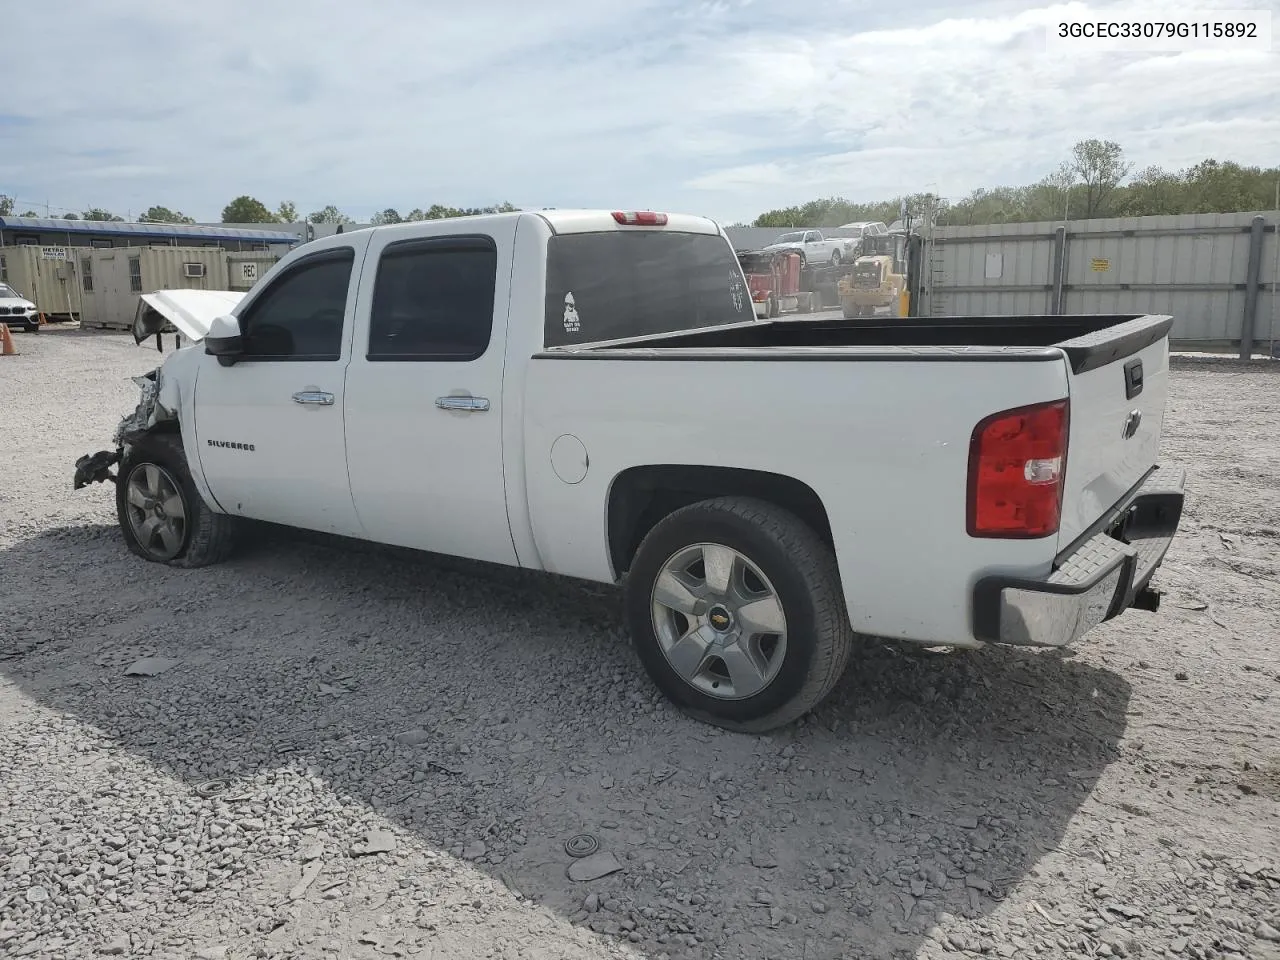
(96,467)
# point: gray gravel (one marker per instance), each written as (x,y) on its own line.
(367,753)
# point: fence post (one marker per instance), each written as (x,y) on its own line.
(1251,285)
(1059,268)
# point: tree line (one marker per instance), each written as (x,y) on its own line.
(94,213)
(246,209)
(1094,181)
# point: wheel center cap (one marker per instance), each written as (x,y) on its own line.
(720,618)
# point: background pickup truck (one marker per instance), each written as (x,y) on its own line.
(817,249)
(589,394)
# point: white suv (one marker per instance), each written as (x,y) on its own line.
(15,310)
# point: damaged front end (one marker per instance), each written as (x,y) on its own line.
(96,467)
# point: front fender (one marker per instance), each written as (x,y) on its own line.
(177,396)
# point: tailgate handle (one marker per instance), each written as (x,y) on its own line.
(1132,379)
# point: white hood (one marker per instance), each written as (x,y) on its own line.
(191,311)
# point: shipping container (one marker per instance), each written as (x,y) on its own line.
(45,276)
(244,270)
(111,280)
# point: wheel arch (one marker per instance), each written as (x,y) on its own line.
(640,497)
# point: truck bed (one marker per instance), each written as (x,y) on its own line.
(1113,369)
(1088,341)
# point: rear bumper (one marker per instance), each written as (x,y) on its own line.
(1094,581)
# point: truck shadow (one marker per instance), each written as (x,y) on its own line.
(915,799)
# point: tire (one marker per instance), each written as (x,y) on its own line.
(203,537)
(835,258)
(32,328)
(782,675)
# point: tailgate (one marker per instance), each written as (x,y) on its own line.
(1119,378)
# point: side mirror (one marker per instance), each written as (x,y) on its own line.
(224,340)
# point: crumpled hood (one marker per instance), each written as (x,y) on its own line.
(191,311)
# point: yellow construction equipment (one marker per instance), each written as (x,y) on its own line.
(878,280)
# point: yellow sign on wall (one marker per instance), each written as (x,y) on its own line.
(1099,265)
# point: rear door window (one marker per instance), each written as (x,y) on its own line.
(433,300)
(618,284)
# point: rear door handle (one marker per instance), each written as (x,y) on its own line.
(318,397)
(471,404)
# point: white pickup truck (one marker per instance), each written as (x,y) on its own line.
(816,249)
(590,394)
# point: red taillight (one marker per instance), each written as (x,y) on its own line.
(641,218)
(1017,460)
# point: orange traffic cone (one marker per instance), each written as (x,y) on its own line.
(7,349)
(43,321)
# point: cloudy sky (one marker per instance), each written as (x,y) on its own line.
(724,107)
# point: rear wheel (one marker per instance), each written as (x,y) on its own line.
(161,513)
(735,609)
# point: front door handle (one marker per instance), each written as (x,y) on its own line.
(314,396)
(472,404)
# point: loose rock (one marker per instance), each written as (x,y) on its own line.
(117,946)
(594,867)
(375,842)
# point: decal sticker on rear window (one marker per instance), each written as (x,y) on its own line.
(571,323)
(736,291)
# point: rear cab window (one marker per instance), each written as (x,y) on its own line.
(615,285)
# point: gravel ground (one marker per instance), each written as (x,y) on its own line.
(363,753)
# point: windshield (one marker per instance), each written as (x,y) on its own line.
(790,238)
(608,286)
(7,291)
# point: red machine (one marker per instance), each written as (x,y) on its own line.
(774,281)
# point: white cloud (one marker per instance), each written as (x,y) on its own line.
(726,108)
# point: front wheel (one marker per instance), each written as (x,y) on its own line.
(161,513)
(736,612)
